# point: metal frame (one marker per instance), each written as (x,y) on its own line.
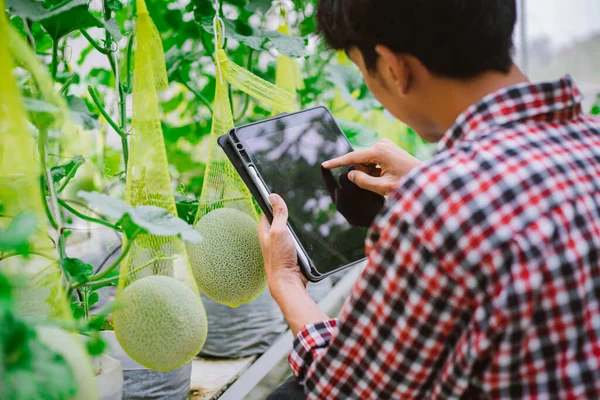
(282,345)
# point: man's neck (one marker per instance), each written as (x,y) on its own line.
(457,96)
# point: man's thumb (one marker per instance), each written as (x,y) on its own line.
(280,212)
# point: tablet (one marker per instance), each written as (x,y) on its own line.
(328,215)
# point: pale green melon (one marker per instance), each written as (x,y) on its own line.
(228,263)
(160,323)
(69,346)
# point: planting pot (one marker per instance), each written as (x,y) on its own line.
(109,378)
(140,382)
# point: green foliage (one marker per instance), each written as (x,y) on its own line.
(143,219)
(63,19)
(17,236)
(30,369)
(59,172)
(77,270)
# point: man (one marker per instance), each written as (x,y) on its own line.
(483,274)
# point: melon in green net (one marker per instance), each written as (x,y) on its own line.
(68,346)
(228,263)
(160,322)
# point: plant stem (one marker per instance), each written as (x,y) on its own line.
(102,282)
(45,200)
(35,253)
(94,95)
(85,217)
(198,95)
(54,58)
(115,264)
(53,208)
(120,88)
(68,178)
(84,300)
(94,44)
(30,39)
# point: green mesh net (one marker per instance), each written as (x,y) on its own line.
(149,184)
(288,75)
(231,275)
(223,188)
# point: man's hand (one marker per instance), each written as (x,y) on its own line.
(279,250)
(378,168)
(286,282)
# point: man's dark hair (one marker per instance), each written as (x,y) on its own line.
(452,38)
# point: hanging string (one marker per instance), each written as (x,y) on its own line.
(219,37)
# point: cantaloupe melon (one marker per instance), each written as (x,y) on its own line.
(67,345)
(160,323)
(228,263)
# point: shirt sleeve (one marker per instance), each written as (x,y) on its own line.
(396,331)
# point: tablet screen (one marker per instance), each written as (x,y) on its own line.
(288,154)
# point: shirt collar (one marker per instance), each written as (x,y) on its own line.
(550,101)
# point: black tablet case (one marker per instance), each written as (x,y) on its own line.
(238,164)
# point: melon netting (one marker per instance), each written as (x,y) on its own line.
(142,324)
(223,187)
(148,179)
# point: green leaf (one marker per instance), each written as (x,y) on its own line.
(348,80)
(115,5)
(158,221)
(81,113)
(358,135)
(59,172)
(95,344)
(112,27)
(172,104)
(78,270)
(39,106)
(147,219)
(186,208)
(108,206)
(290,46)
(101,76)
(93,298)
(19,233)
(41,114)
(62,20)
(261,5)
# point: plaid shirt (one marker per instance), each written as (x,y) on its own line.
(483,279)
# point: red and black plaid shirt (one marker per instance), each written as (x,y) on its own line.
(483,277)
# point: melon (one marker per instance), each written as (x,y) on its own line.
(160,322)
(228,264)
(72,350)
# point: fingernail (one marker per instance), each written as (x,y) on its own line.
(273,198)
(351,175)
(325,164)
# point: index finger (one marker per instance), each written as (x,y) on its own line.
(365,156)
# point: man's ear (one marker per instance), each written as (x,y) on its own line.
(394,70)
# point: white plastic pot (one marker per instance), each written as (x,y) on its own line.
(140,382)
(109,377)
